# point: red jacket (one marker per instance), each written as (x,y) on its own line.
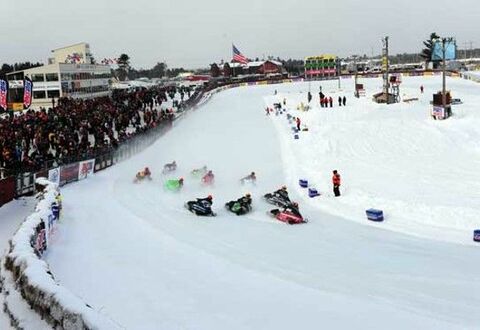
(298,121)
(336,179)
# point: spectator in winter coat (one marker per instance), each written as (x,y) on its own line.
(336,183)
(339,101)
(298,123)
(344,100)
(330,100)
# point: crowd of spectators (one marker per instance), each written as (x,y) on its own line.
(76,129)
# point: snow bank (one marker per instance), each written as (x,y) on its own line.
(36,284)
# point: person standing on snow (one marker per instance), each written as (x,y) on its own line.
(344,101)
(336,183)
(330,100)
(298,123)
(339,101)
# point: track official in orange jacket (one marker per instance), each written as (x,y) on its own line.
(336,183)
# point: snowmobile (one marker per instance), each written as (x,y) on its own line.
(140,176)
(202,207)
(279,198)
(240,206)
(169,167)
(251,178)
(173,184)
(199,172)
(289,214)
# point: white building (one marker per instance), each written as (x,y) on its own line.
(68,74)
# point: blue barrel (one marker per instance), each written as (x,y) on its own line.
(312,192)
(374,215)
(476,235)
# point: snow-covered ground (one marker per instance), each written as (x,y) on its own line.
(133,251)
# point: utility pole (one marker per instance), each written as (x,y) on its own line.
(356,74)
(386,83)
(339,71)
(444,80)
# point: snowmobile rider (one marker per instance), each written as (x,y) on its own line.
(282,192)
(208,178)
(170,166)
(208,199)
(292,208)
(147,172)
(245,200)
(251,177)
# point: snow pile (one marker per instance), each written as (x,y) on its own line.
(54,303)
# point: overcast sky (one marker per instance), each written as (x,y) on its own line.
(196,33)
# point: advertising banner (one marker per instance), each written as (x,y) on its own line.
(27,93)
(69,173)
(86,168)
(54,175)
(3,95)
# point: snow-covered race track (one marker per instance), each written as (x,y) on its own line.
(134,252)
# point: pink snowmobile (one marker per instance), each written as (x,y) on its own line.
(289,214)
(208,178)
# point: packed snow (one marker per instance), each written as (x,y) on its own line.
(134,252)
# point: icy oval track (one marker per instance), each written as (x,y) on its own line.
(134,252)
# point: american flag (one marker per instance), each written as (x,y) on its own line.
(237,56)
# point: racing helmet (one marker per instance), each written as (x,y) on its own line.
(180,180)
(248,195)
(295,204)
(284,188)
(210,197)
(252,174)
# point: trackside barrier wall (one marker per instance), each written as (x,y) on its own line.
(7,190)
(28,274)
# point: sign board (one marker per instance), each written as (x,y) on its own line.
(86,168)
(450,50)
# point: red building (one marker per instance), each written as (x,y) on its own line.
(252,68)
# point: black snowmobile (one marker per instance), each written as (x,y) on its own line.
(279,198)
(202,206)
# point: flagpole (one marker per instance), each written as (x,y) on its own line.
(233,63)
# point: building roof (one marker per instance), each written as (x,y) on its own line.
(321,57)
(252,64)
(80,43)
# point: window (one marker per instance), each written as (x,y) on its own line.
(52,76)
(54,93)
(38,95)
(37,77)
